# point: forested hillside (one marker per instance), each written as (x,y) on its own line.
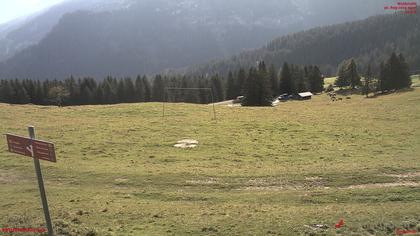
(368,41)
(148,36)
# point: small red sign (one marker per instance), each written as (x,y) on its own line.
(31,147)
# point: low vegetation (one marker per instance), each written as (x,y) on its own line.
(256,171)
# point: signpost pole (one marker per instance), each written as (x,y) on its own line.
(31,130)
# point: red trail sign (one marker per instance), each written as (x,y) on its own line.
(31,147)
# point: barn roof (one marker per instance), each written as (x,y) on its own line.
(305,94)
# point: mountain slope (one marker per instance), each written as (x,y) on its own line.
(148,36)
(369,41)
(20,34)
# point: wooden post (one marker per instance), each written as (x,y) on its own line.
(31,130)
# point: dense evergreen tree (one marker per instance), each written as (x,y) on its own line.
(250,89)
(394,74)
(353,74)
(274,80)
(147,89)
(348,75)
(315,79)
(285,85)
(217,87)
(158,89)
(368,81)
(231,89)
(258,91)
(6,92)
(265,94)
(240,81)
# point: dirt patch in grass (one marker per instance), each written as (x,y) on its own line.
(384,185)
(202,181)
(402,176)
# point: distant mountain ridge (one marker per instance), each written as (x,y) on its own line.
(27,31)
(129,37)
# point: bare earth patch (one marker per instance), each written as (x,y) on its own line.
(202,181)
(408,175)
(384,185)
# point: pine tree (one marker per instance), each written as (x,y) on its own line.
(285,85)
(147,89)
(342,77)
(216,84)
(272,73)
(404,80)
(231,92)
(354,76)
(316,80)
(250,89)
(130,91)
(298,79)
(6,92)
(22,96)
(240,82)
(140,91)
(394,74)
(158,89)
(99,95)
(39,96)
(368,81)
(265,95)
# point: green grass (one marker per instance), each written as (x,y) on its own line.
(329,81)
(257,171)
(415,80)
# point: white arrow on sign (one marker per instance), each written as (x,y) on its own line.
(30,149)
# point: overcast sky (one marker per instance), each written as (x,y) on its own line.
(11,9)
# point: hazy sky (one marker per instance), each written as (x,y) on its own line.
(11,9)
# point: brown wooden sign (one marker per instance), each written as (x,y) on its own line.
(31,147)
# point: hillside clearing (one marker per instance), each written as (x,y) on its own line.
(256,171)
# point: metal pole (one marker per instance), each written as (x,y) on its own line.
(164,100)
(212,101)
(31,130)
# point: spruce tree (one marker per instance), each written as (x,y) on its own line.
(343,79)
(272,73)
(404,80)
(6,92)
(240,82)
(231,92)
(285,85)
(265,95)
(251,89)
(130,90)
(368,81)
(147,89)
(298,79)
(158,89)
(139,90)
(316,80)
(354,76)
(217,88)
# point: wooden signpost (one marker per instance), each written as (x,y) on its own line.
(38,150)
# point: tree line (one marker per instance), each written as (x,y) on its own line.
(394,74)
(259,84)
(88,91)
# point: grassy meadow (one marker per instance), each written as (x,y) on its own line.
(257,171)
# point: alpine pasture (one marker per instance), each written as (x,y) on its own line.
(256,171)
